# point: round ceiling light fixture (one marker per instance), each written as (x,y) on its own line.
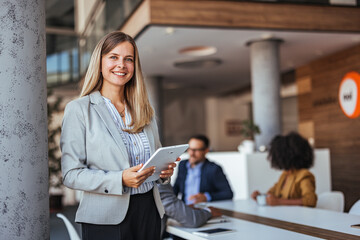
(198,51)
(201,63)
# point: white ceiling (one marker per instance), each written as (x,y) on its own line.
(159,50)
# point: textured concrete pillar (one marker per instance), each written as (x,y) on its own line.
(155,91)
(24,198)
(265,85)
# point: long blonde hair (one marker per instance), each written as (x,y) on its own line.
(135,93)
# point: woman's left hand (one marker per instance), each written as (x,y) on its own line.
(170,171)
(272,200)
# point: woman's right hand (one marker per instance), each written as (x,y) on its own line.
(132,178)
(255,194)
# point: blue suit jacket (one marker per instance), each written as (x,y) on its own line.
(213,181)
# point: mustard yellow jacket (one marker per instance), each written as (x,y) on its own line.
(299,184)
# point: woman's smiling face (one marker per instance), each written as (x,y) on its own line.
(117,66)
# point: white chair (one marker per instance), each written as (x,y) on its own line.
(333,200)
(355,209)
(71,230)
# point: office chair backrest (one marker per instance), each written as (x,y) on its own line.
(355,209)
(71,230)
(333,200)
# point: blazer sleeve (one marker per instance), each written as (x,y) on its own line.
(307,187)
(222,189)
(177,209)
(274,189)
(76,174)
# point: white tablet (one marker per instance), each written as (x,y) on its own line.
(161,159)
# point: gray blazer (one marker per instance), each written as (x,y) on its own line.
(177,209)
(94,157)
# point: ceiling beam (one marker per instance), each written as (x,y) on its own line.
(245,15)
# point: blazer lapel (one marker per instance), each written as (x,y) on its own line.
(101,109)
(203,179)
(288,186)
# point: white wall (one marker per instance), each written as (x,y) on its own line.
(183,117)
(289,114)
(218,112)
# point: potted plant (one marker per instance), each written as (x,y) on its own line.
(54,155)
(248,130)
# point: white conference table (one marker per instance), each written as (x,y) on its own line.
(315,220)
(243,230)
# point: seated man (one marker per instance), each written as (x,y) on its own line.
(185,215)
(200,180)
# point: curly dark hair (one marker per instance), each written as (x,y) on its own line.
(290,152)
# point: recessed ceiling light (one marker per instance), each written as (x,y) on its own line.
(169,30)
(202,63)
(267,35)
(198,51)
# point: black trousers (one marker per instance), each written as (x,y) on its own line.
(142,221)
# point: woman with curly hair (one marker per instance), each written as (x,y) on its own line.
(296,185)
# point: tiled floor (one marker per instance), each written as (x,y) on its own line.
(58,229)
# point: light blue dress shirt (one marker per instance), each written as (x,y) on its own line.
(137,144)
(192,182)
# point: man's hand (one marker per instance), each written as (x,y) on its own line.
(200,197)
(132,178)
(215,212)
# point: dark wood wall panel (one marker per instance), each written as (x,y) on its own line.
(332,129)
(255,15)
(305,110)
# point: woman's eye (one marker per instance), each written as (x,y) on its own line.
(113,57)
(129,60)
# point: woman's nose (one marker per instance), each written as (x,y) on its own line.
(121,64)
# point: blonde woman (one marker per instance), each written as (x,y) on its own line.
(107,135)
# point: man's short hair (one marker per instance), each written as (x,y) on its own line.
(202,138)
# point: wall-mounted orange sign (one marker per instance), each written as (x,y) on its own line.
(349,97)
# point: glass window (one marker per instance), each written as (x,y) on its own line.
(62,59)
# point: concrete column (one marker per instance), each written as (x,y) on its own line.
(265,84)
(155,91)
(24,198)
